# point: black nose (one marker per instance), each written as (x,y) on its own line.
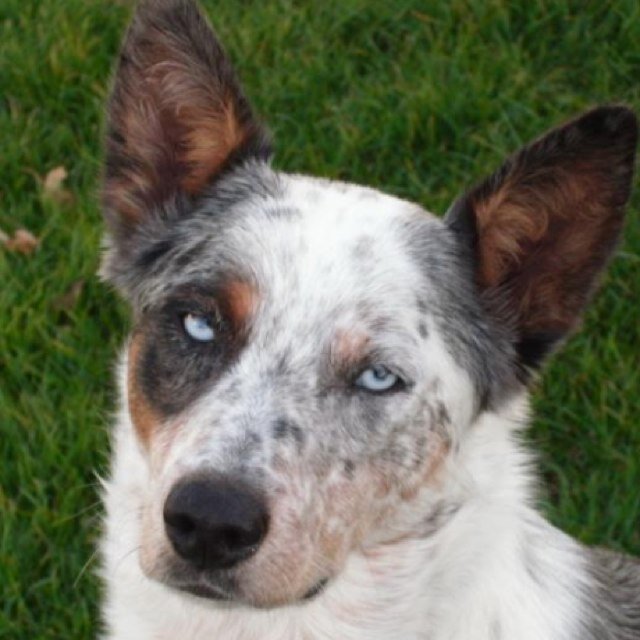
(214,523)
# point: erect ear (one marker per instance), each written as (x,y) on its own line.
(176,118)
(544,225)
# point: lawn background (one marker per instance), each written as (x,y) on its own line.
(417,98)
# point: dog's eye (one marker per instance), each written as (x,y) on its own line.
(378,379)
(198,327)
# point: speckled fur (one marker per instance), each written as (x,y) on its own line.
(417,506)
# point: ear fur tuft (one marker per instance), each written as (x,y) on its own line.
(544,225)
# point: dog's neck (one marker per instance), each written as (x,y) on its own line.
(485,566)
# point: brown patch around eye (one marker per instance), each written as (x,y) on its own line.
(240,300)
(144,417)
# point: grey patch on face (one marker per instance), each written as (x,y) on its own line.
(285,429)
(362,249)
(531,564)
(229,388)
(176,240)
(348,469)
(252,180)
(282,366)
(422,330)
(478,344)
(282,211)
(612,599)
(249,445)
(442,419)
(495,631)
(438,518)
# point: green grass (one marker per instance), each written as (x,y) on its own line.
(412,97)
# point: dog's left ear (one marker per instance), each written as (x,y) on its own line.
(543,227)
(177,117)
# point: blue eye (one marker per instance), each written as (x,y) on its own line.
(198,327)
(377,379)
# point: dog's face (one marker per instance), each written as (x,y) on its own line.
(307,355)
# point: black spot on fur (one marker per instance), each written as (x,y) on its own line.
(250,444)
(156,251)
(285,429)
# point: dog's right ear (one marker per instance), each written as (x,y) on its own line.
(176,119)
(541,228)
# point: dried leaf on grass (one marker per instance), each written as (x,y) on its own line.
(22,241)
(52,186)
(70,297)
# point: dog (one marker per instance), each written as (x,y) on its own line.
(325,386)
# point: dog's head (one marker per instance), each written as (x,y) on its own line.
(307,354)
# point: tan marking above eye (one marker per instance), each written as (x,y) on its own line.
(349,347)
(240,300)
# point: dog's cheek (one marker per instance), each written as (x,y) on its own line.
(427,472)
(355,505)
(154,553)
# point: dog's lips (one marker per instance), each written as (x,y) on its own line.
(316,590)
(204,591)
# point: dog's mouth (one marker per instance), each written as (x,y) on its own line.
(207,591)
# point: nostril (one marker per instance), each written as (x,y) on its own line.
(183,524)
(182,531)
(244,538)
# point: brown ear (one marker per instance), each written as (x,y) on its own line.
(177,117)
(544,226)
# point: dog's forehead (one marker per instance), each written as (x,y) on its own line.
(306,258)
(328,246)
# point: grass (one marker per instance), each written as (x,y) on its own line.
(415,98)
